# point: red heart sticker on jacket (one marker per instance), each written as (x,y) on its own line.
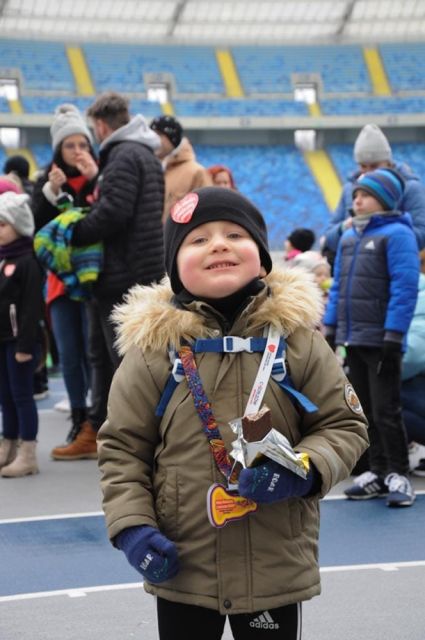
(9,270)
(272,348)
(182,211)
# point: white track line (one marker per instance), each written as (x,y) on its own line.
(71,593)
(59,516)
(81,592)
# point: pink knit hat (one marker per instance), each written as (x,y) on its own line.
(6,184)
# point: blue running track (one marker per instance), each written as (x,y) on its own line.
(74,552)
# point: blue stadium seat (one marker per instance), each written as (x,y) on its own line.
(268,69)
(239,107)
(404,65)
(373,105)
(121,67)
(278,181)
(43,65)
(42,154)
(48,104)
(3,158)
(4,105)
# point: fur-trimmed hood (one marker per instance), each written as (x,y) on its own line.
(148,319)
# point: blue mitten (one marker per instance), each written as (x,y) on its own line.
(271,482)
(149,552)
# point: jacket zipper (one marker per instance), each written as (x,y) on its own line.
(13,319)
(349,286)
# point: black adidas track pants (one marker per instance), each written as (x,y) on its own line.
(177,621)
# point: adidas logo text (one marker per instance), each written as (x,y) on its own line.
(264,621)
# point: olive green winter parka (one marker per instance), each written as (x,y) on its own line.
(157,471)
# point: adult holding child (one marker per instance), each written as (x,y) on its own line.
(68,181)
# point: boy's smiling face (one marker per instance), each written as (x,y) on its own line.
(217,259)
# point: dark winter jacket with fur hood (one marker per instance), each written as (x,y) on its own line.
(157,471)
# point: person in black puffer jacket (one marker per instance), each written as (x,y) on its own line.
(126,218)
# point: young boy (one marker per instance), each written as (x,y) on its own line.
(158,470)
(371,305)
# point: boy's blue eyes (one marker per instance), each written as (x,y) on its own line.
(232,236)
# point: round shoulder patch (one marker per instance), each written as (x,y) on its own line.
(182,211)
(352,399)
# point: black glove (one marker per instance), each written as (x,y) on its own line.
(390,357)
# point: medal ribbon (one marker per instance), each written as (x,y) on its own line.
(203,407)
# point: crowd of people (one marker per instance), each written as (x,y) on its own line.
(168,364)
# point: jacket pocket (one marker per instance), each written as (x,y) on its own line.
(167,503)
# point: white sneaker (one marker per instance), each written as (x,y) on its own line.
(416,454)
(63,405)
(400,491)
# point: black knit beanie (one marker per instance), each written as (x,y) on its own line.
(170,127)
(210,204)
(302,239)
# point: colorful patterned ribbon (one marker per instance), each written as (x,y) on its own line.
(209,424)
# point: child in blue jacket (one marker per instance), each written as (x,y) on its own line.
(371,305)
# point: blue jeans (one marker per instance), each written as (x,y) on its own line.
(69,322)
(413,403)
(20,417)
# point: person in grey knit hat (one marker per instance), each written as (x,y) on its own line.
(372,150)
(15,210)
(69,180)
(371,147)
(67,121)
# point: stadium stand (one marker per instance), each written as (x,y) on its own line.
(47,104)
(404,65)
(278,180)
(239,107)
(269,69)
(46,78)
(267,75)
(41,65)
(373,105)
(4,105)
(121,67)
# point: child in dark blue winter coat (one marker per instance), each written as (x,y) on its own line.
(21,313)
(371,305)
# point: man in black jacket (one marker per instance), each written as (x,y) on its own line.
(126,218)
